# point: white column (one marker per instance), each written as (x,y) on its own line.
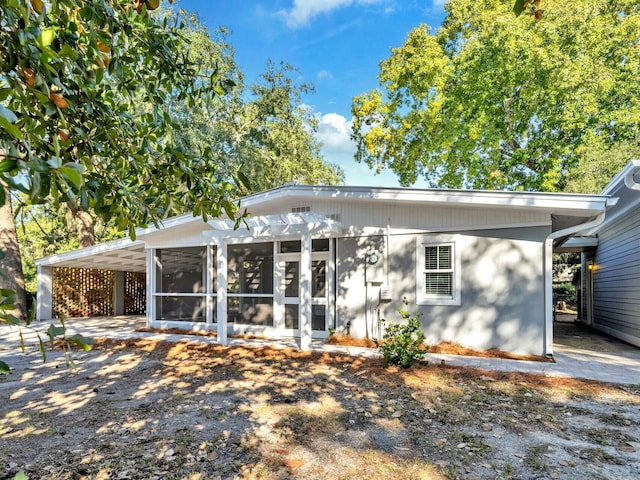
(305,292)
(118,293)
(151,285)
(547,254)
(221,312)
(209,288)
(44,305)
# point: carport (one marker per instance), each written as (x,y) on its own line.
(103,280)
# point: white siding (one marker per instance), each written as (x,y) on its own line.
(360,214)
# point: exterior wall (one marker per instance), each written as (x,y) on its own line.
(616,279)
(502,302)
(361,214)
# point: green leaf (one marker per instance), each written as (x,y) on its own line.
(72,173)
(54,331)
(518,7)
(43,352)
(7,165)
(20,476)
(8,114)
(4,368)
(46,37)
(82,342)
(10,128)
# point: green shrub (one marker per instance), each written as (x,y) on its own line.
(564,289)
(403,344)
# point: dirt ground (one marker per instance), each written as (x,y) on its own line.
(158,410)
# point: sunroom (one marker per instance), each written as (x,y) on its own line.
(273,276)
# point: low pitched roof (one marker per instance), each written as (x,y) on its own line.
(564,209)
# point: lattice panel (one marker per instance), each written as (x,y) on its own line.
(82,292)
(135,293)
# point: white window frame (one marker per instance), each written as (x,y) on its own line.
(422,298)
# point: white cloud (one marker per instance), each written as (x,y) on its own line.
(324,75)
(303,11)
(334,131)
(439,4)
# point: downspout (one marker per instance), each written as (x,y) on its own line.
(548,271)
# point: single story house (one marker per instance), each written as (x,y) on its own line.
(311,259)
(610,270)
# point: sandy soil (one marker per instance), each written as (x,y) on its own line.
(145,410)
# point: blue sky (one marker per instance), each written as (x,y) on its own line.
(335,44)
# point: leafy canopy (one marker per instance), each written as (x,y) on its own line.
(75,81)
(494,100)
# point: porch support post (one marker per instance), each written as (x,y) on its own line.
(118,293)
(151,285)
(44,305)
(548,296)
(221,312)
(305,292)
(209,305)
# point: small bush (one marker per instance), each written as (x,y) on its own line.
(403,344)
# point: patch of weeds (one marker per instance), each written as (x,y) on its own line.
(467,447)
(616,419)
(298,425)
(534,457)
(600,455)
(598,436)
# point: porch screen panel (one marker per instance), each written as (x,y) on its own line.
(181,276)
(181,308)
(250,284)
(181,270)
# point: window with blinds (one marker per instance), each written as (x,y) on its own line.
(438,270)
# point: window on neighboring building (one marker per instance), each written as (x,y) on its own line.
(437,272)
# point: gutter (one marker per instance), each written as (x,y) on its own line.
(630,182)
(548,269)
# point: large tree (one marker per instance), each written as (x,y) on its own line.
(73,78)
(494,100)
(262,128)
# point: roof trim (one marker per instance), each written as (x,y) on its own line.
(534,200)
(618,181)
(111,246)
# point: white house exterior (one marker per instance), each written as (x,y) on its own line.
(477,264)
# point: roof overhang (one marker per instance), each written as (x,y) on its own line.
(119,255)
(578,205)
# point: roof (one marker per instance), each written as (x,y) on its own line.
(564,209)
(626,188)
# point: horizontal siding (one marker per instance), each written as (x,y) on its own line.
(616,279)
(361,214)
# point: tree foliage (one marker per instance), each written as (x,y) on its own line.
(84,88)
(73,78)
(262,128)
(494,100)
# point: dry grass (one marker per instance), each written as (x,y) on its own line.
(200,333)
(450,348)
(348,341)
(144,408)
(453,348)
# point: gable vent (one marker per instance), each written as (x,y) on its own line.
(300,209)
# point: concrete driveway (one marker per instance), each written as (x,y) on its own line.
(579,351)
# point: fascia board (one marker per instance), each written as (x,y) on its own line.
(558,203)
(114,245)
(618,181)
